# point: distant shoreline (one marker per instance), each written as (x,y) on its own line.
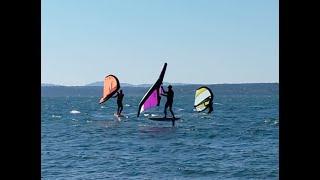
(218,89)
(148,85)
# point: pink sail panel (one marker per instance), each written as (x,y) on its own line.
(151,102)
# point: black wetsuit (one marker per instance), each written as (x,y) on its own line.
(119,102)
(169,94)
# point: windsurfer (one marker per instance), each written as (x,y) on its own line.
(169,94)
(119,101)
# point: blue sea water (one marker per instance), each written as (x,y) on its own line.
(81,139)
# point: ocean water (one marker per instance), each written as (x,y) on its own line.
(81,139)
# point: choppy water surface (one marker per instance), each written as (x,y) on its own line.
(83,140)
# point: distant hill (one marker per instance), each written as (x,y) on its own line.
(175,84)
(100,83)
(48,84)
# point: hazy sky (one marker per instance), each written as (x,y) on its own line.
(203,41)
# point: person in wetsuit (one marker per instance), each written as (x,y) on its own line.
(169,94)
(119,102)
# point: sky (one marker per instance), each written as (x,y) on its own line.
(203,41)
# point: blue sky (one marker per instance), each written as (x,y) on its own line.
(203,41)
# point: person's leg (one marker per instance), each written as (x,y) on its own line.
(173,120)
(118,110)
(121,108)
(165,110)
(170,108)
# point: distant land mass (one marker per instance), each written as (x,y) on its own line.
(218,89)
(48,84)
(100,83)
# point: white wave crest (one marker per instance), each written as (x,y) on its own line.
(74,112)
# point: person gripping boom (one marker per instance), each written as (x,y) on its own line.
(169,94)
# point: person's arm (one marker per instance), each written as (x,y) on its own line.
(165,92)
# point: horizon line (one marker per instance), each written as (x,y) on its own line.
(171,83)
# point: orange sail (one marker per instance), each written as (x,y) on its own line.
(110,87)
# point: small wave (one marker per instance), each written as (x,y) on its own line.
(128,105)
(218,103)
(142,125)
(180,109)
(148,129)
(98,115)
(191,129)
(205,117)
(74,112)
(131,113)
(54,116)
(102,107)
(146,115)
(256,107)
(271,120)
(212,136)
